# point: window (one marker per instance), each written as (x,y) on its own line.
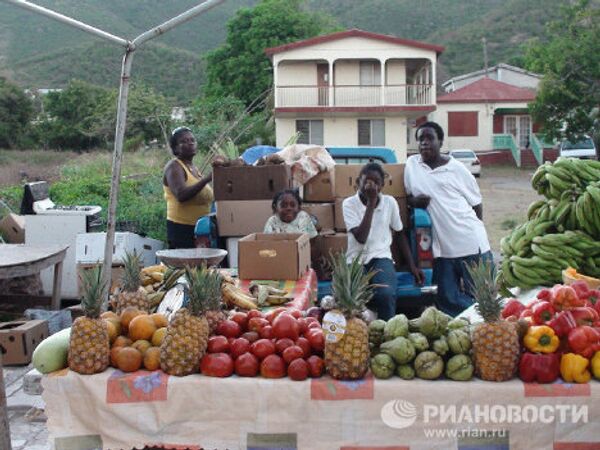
(311,131)
(370,73)
(371,132)
(463,123)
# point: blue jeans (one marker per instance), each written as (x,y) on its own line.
(384,298)
(454,282)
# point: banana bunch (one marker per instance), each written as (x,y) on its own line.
(551,180)
(587,209)
(170,277)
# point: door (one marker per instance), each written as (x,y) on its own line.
(323,84)
(520,128)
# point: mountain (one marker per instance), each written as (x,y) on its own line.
(39,52)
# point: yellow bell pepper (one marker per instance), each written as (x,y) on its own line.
(596,365)
(573,368)
(541,339)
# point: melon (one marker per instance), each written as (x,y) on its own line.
(51,353)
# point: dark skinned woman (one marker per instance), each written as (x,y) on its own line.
(187,192)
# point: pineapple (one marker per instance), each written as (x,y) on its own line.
(496,347)
(187,334)
(214,313)
(348,358)
(131,292)
(89,347)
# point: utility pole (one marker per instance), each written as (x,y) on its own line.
(485,56)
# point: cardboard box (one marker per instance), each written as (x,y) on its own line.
(346,180)
(115,276)
(19,339)
(327,246)
(323,212)
(89,248)
(339,223)
(403,206)
(320,188)
(242,217)
(251,182)
(13,228)
(273,256)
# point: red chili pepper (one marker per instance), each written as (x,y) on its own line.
(584,341)
(542,312)
(539,367)
(565,297)
(563,323)
(512,307)
(545,294)
(585,315)
(581,288)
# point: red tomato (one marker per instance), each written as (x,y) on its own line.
(239,347)
(294,312)
(292,353)
(252,336)
(246,365)
(270,316)
(257,323)
(254,313)
(302,325)
(229,328)
(285,326)
(241,318)
(316,339)
(314,325)
(272,367)
(216,365)
(316,366)
(262,348)
(311,319)
(298,370)
(304,345)
(218,344)
(266,332)
(282,344)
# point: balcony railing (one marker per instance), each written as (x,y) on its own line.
(353,95)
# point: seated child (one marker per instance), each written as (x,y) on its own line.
(288,217)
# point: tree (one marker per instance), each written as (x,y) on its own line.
(568,100)
(240,67)
(16,111)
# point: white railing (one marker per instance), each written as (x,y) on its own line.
(354,95)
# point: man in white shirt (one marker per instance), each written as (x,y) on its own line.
(370,218)
(450,193)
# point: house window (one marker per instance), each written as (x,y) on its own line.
(311,131)
(371,132)
(370,73)
(463,123)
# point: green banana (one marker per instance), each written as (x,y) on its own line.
(505,247)
(525,275)
(534,208)
(517,234)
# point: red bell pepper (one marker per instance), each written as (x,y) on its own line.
(512,307)
(545,294)
(593,300)
(584,341)
(585,315)
(565,297)
(542,312)
(563,323)
(581,288)
(539,367)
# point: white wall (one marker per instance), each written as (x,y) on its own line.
(396,72)
(347,72)
(297,73)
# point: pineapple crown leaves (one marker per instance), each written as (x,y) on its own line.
(485,290)
(204,287)
(94,291)
(350,285)
(131,278)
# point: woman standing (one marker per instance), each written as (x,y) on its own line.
(188,194)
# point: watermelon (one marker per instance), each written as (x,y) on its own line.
(52,352)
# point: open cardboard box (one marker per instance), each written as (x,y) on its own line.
(273,256)
(251,182)
(19,339)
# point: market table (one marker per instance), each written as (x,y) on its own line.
(114,410)
(19,260)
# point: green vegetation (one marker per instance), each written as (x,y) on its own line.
(16,110)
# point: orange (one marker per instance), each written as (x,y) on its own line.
(127,316)
(128,359)
(113,333)
(122,341)
(160,320)
(142,345)
(141,327)
(152,358)
(158,336)
(113,355)
(109,315)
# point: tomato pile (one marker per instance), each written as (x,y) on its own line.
(275,344)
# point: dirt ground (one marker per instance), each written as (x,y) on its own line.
(507,193)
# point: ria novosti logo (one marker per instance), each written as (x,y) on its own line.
(398,414)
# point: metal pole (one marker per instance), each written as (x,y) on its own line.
(69,21)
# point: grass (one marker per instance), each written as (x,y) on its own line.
(509,224)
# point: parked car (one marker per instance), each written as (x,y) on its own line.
(584,148)
(469,159)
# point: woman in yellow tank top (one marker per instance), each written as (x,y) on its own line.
(187,193)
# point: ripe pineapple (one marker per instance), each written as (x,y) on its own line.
(89,347)
(348,358)
(214,313)
(496,347)
(131,292)
(188,330)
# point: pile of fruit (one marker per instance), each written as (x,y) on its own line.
(422,347)
(563,338)
(563,229)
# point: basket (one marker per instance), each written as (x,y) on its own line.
(593,283)
(192,257)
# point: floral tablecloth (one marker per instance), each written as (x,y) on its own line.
(114,410)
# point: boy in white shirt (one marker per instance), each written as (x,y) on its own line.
(370,219)
(450,193)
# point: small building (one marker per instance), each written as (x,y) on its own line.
(353,88)
(501,72)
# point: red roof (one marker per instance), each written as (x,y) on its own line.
(352,33)
(488,90)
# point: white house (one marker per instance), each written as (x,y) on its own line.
(501,72)
(353,88)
